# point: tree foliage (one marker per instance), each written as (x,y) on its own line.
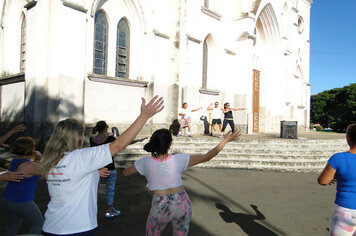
(335,108)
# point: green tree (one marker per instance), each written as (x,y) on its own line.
(335,108)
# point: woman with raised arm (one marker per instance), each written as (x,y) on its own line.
(342,168)
(72,173)
(163,171)
(17,198)
(228,118)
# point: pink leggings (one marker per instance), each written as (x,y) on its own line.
(174,208)
(343,222)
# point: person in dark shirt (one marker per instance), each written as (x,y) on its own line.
(228,118)
(17,198)
(102,137)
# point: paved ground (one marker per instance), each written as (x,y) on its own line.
(222,201)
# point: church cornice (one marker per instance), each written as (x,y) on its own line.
(117,80)
(30,4)
(74,6)
(11,79)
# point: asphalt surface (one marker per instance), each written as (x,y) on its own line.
(224,202)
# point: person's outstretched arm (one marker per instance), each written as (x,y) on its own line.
(147,111)
(16,129)
(197,109)
(238,109)
(326,177)
(210,107)
(196,159)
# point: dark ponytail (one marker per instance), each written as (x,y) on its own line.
(159,143)
(99,127)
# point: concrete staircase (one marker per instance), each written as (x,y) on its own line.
(296,155)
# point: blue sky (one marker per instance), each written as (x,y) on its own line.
(332,44)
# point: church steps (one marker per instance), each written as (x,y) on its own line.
(268,154)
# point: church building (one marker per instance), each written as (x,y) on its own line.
(94,59)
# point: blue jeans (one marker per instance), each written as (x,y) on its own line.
(18,211)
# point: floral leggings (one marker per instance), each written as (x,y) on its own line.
(343,222)
(110,188)
(167,208)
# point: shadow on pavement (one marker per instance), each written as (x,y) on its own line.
(246,222)
(132,198)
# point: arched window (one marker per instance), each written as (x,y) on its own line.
(100,43)
(23,45)
(122,49)
(205,65)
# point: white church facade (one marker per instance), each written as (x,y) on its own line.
(94,60)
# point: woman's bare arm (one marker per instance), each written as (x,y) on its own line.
(16,129)
(327,175)
(196,159)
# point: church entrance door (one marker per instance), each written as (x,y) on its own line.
(256,102)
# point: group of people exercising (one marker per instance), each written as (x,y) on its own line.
(185,117)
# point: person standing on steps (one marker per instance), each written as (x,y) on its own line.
(216,117)
(228,118)
(185,114)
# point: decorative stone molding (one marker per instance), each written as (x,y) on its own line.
(229,52)
(246,35)
(287,53)
(295,10)
(30,4)
(213,92)
(301,107)
(74,6)
(11,79)
(211,13)
(193,39)
(165,36)
(310,2)
(117,80)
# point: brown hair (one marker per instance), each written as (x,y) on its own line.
(23,146)
(351,132)
(99,127)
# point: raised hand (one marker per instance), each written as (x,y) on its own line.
(19,128)
(232,136)
(153,107)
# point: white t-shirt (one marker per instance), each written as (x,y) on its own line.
(216,113)
(73,186)
(163,174)
(187,113)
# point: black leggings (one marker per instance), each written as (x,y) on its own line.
(230,122)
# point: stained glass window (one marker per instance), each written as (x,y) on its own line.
(122,49)
(100,43)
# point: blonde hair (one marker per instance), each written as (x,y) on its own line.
(66,137)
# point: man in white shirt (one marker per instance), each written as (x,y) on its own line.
(216,117)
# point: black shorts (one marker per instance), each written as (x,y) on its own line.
(216,121)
